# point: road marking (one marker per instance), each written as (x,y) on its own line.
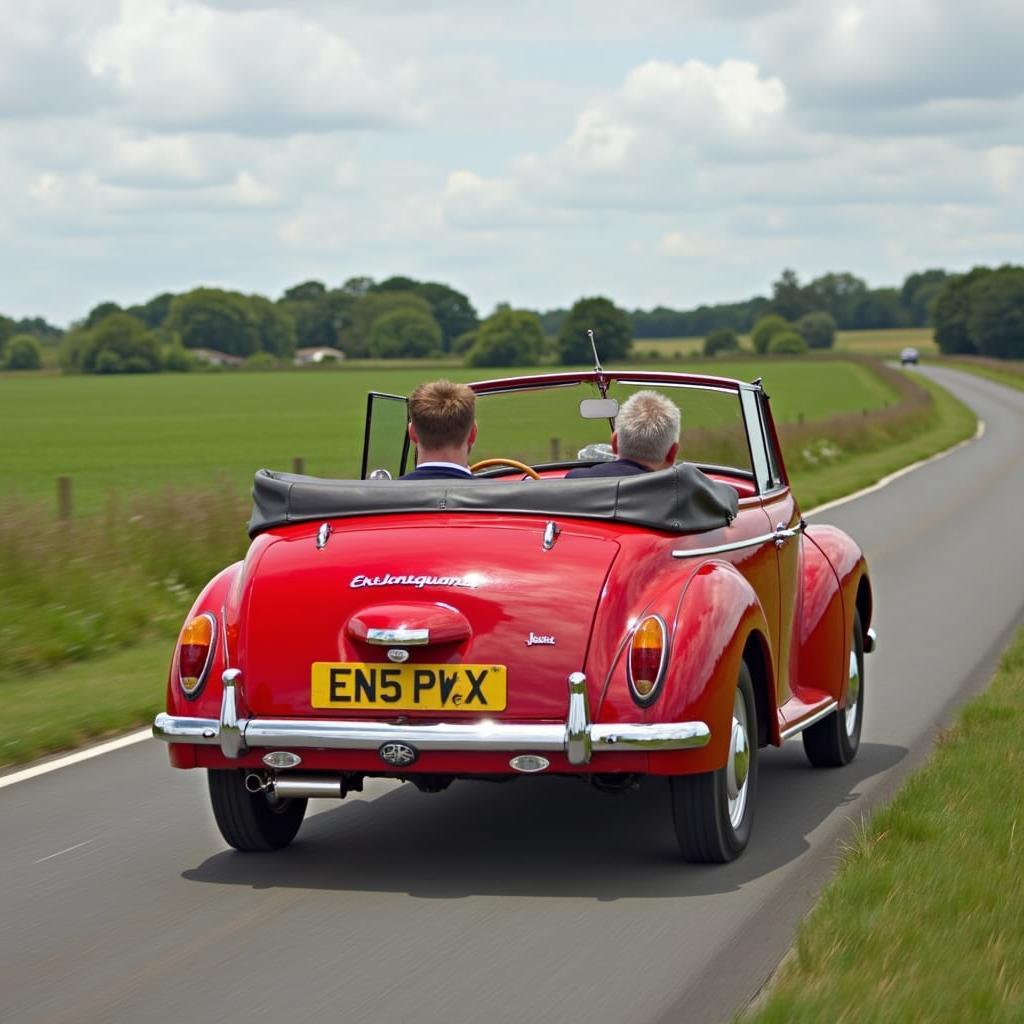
(886,480)
(77,846)
(80,755)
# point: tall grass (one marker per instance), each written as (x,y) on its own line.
(77,589)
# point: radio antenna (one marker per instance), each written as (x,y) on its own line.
(593,344)
(602,382)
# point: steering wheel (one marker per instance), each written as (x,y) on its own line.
(514,463)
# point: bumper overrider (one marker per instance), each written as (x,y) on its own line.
(577,738)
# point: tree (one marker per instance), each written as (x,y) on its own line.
(21,352)
(995,322)
(452,310)
(765,329)
(787,343)
(357,287)
(6,329)
(510,337)
(398,283)
(119,343)
(612,332)
(817,329)
(100,312)
(838,294)
(880,307)
(154,312)
(788,297)
(919,292)
(275,324)
(722,340)
(355,337)
(308,291)
(952,311)
(215,319)
(405,334)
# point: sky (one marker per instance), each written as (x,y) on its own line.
(660,153)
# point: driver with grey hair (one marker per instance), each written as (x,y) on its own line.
(645,438)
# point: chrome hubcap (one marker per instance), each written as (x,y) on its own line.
(737,767)
(852,695)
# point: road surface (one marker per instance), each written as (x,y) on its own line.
(538,901)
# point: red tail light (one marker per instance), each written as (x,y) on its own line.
(647,658)
(195,652)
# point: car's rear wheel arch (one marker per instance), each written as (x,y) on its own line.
(864,602)
(758,662)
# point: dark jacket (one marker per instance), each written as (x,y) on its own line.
(435,473)
(620,467)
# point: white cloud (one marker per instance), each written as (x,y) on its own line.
(262,72)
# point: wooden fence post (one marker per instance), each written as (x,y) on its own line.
(299,465)
(64,497)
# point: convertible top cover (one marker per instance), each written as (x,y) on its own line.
(681,499)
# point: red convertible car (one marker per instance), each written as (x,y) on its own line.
(617,629)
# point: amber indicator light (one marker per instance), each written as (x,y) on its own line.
(646,655)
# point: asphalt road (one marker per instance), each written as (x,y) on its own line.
(538,901)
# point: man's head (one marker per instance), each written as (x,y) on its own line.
(442,421)
(647,430)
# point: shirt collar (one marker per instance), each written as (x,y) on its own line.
(445,465)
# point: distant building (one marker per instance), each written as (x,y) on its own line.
(215,358)
(309,356)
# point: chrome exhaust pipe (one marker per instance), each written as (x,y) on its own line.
(285,786)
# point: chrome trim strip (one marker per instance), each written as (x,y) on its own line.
(401,636)
(717,549)
(818,715)
(485,736)
(655,736)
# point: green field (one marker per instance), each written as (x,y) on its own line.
(882,344)
(143,433)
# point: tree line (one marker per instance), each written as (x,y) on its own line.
(401,317)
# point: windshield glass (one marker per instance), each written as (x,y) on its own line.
(544,425)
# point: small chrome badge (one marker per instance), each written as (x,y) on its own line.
(398,654)
(398,755)
(540,638)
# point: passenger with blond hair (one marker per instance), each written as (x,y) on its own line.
(442,426)
(645,438)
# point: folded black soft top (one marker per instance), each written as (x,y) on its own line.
(678,500)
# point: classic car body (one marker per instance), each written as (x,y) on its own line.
(618,629)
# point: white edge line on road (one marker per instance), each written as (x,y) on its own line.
(145,734)
(60,853)
(886,480)
(79,755)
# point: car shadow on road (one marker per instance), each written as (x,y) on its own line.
(546,837)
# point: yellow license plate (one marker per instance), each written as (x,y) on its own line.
(358,686)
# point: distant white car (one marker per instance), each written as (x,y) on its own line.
(908,357)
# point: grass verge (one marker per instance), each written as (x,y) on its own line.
(948,422)
(1002,371)
(66,707)
(923,920)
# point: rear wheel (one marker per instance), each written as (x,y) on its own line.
(252,822)
(714,812)
(834,740)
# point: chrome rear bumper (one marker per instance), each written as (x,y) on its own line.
(577,737)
